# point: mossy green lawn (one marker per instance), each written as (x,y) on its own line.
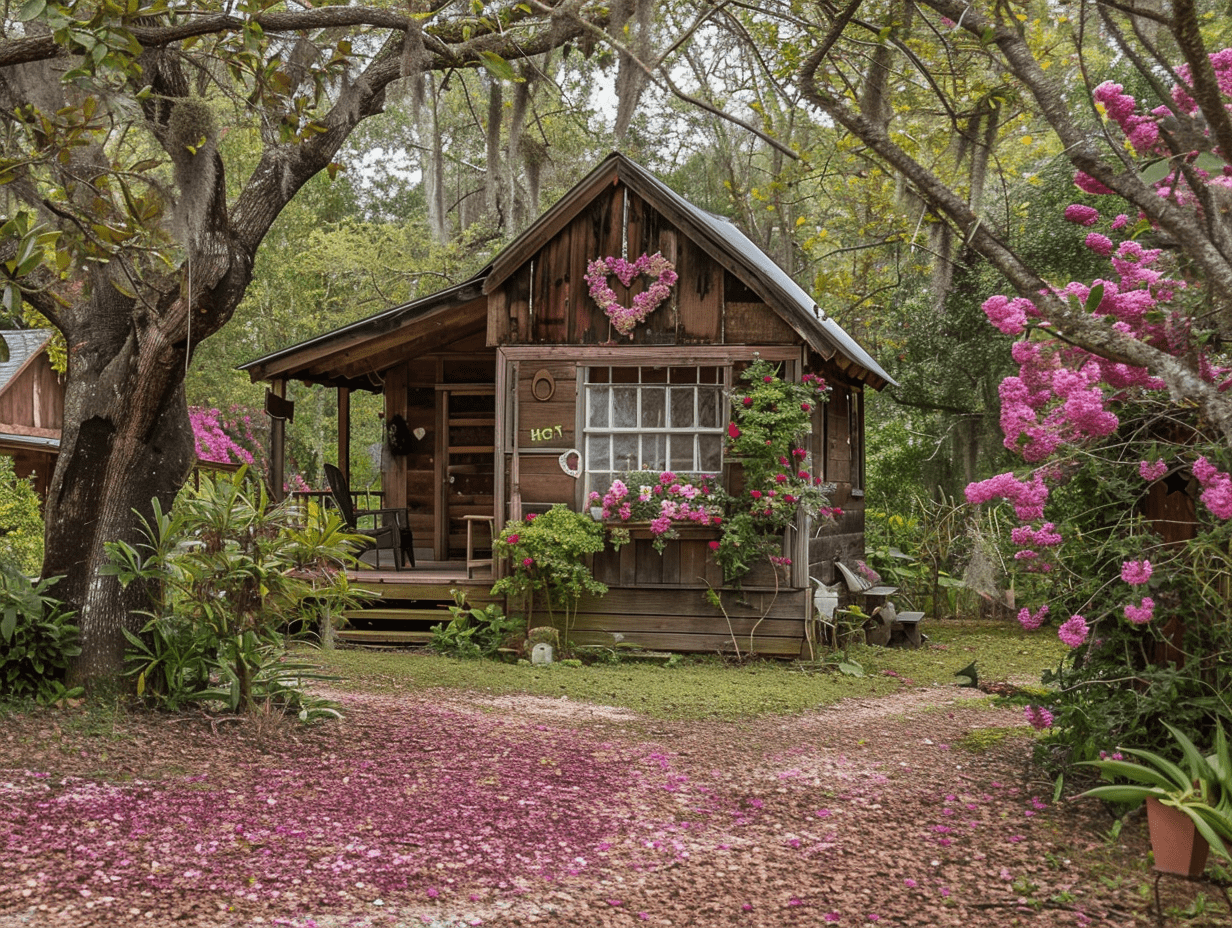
(710,688)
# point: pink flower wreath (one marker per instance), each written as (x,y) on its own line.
(625,318)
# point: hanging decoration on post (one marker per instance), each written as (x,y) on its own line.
(662,275)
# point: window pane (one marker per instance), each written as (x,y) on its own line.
(709,375)
(624,407)
(653,452)
(709,408)
(599,482)
(654,375)
(598,375)
(598,453)
(684,375)
(711,457)
(652,408)
(682,407)
(598,399)
(625,453)
(682,453)
(624,374)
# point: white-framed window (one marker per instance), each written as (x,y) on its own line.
(652,419)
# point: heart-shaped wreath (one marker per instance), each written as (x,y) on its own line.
(662,275)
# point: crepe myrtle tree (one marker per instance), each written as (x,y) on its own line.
(858,55)
(145,150)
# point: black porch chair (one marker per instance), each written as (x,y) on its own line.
(395,536)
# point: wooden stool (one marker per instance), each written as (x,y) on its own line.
(471,560)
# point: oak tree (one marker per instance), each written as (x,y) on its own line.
(132,219)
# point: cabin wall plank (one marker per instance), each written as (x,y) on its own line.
(699,296)
(755,322)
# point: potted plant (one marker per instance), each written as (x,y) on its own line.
(1189,805)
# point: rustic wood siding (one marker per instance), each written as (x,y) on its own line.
(758,621)
(749,323)
(845,540)
(547,300)
(35,397)
(556,416)
(542,482)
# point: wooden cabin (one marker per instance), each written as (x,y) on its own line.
(501,390)
(31,406)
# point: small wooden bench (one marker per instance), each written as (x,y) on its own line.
(886,626)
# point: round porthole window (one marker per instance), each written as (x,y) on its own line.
(543,387)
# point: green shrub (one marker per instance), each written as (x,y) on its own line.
(21,521)
(37,637)
(547,562)
(228,575)
(473,632)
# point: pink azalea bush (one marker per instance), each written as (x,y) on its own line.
(225,439)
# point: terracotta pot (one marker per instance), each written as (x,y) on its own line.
(1177,845)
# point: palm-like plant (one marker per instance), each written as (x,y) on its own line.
(1200,787)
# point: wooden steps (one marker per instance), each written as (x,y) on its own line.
(383,636)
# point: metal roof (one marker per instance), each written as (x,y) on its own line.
(37,442)
(24,344)
(741,246)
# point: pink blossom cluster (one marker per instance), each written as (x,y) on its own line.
(1009,315)
(1151,471)
(1142,130)
(625,319)
(1032,620)
(1045,536)
(664,501)
(1028,498)
(1081,215)
(214,435)
(1070,408)
(1142,613)
(1038,717)
(1216,488)
(1136,573)
(1073,632)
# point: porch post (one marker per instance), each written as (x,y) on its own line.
(344,432)
(278,438)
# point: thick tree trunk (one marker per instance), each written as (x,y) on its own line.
(126,440)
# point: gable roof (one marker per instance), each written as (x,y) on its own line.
(717,236)
(352,356)
(24,346)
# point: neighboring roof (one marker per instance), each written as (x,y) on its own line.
(716,235)
(24,346)
(353,356)
(33,442)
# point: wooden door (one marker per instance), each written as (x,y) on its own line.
(466,468)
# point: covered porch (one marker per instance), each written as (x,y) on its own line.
(428,361)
